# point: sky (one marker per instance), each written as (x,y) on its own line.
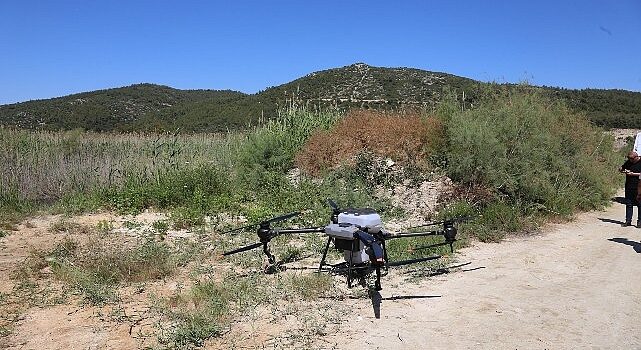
(55,48)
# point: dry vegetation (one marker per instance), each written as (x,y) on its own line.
(405,138)
(145,290)
(46,166)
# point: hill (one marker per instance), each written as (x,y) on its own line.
(155,107)
(104,110)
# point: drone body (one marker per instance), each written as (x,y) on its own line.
(359,233)
(353,223)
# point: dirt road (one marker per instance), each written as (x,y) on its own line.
(574,286)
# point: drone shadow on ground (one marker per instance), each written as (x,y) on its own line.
(611,221)
(377,299)
(620,200)
(635,245)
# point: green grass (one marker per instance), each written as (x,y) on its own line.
(97,268)
(207,308)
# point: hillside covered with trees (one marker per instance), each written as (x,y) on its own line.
(149,107)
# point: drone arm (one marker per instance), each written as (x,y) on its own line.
(299,230)
(414,234)
(242,249)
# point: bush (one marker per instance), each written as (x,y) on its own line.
(192,187)
(403,137)
(274,144)
(532,152)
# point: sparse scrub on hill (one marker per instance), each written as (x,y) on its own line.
(534,155)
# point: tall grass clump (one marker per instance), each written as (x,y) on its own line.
(44,166)
(273,145)
(533,154)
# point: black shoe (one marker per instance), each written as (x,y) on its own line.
(626,224)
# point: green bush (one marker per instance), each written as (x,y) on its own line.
(274,144)
(193,187)
(533,154)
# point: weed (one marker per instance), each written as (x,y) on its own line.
(205,310)
(161,227)
(291,254)
(96,268)
(66,226)
(310,286)
(3,233)
(4,331)
(131,225)
(105,226)
(186,218)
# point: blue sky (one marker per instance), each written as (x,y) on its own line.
(55,48)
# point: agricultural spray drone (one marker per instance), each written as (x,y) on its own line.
(359,233)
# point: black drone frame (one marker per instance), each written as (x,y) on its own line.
(448,232)
(266,234)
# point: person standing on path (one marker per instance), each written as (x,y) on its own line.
(632,170)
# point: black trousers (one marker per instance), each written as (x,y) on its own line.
(630,203)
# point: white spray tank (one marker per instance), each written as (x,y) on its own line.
(350,221)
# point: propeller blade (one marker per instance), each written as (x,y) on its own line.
(332,204)
(266,222)
(239,229)
(457,220)
(280,218)
(242,249)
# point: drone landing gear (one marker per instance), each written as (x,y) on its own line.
(377,284)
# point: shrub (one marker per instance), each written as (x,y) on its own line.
(403,137)
(274,144)
(191,187)
(531,152)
